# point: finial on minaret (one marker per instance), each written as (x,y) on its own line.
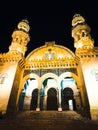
(77,19)
(24,25)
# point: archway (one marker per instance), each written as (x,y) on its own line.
(49,86)
(52,99)
(68,102)
(29,87)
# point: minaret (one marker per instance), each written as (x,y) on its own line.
(88,55)
(20,38)
(81,33)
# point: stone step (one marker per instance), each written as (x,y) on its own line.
(46,120)
(48,114)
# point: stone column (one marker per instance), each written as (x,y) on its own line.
(59,100)
(38,101)
(77,102)
(58,97)
(45,102)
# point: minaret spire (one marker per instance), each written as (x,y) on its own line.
(81,33)
(20,38)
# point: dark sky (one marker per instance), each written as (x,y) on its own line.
(49,21)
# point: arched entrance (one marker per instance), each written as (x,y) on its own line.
(68,102)
(49,95)
(52,99)
(29,95)
(34,99)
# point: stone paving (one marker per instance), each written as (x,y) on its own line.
(47,120)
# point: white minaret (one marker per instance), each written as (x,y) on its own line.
(88,55)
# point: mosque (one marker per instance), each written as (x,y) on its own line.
(50,77)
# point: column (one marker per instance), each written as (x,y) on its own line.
(45,102)
(38,102)
(59,100)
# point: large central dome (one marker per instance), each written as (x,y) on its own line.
(50,51)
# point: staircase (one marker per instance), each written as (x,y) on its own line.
(49,115)
(43,120)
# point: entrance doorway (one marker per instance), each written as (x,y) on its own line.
(34,99)
(52,99)
(68,102)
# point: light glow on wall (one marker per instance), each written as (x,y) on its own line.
(31,84)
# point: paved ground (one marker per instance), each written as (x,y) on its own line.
(50,120)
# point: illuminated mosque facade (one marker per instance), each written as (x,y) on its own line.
(50,77)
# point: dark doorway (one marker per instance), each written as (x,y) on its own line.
(34,99)
(52,99)
(67,95)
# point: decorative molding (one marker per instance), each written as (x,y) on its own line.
(57,71)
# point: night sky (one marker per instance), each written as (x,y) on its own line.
(48,20)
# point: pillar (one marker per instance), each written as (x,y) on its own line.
(45,102)
(59,100)
(38,102)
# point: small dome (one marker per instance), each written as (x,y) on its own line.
(24,25)
(77,19)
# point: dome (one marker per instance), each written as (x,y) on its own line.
(50,51)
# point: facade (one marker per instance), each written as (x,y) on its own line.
(50,77)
